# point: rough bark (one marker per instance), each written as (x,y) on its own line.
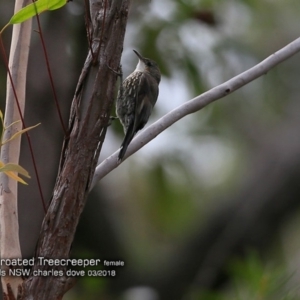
(88,122)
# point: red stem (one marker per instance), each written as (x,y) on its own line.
(50,74)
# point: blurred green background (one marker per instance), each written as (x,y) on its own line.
(210,208)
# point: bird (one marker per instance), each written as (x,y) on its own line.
(136,98)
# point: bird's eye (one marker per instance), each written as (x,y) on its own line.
(149,64)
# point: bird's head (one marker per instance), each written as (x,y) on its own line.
(148,65)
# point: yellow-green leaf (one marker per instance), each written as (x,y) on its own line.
(20,132)
(13,123)
(14,168)
(34,8)
(15,177)
(10,169)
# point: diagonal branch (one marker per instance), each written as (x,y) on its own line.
(196,104)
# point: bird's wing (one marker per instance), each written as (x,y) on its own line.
(145,99)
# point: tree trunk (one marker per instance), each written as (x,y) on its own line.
(89,118)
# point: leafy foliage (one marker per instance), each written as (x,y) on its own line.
(36,7)
(10,169)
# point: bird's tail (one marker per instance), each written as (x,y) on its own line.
(127,139)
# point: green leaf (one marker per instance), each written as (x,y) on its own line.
(34,8)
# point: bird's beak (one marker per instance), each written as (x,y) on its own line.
(139,55)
